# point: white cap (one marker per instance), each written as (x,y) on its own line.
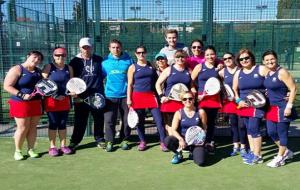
(85,42)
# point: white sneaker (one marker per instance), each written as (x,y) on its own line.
(276,162)
(288,154)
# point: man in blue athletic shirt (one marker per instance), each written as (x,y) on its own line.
(114,69)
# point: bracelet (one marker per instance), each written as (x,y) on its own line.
(289,106)
(20,95)
(238,100)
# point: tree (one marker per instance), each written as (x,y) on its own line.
(77,12)
(288,9)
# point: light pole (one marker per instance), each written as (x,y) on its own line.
(261,7)
(135,9)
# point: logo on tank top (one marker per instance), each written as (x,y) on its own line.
(197,118)
(274,79)
(255,75)
(204,70)
(183,119)
(226,76)
(23,74)
(173,73)
(138,70)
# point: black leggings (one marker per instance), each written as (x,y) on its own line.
(211,119)
(172,144)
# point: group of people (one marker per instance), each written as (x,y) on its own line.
(143,86)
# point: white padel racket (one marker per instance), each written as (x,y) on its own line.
(229,92)
(176,91)
(255,99)
(96,101)
(45,87)
(212,86)
(132,118)
(76,85)
(195,135)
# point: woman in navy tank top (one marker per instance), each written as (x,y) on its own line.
(279,82)
(210,104)
(176,73)
(20,82)
(250,77)
(238,132)
(184,118)
(141,96)
(58,107)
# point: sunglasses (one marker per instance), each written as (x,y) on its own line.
(227,58)
(60,55)
(140,52)
(179,56)
(244,58)
(196,47)
(190,99)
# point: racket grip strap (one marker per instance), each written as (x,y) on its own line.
(20,95)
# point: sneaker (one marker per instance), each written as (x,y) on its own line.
(124,145)
(235,152)
(18,156)
(101,145)
(53,152)
(288,154)
(191,156)
(276,162)
(65,150)
(243,152)
(32,153)
(176,158)
(142,146)
(163,147)
(255,160)
(210,149)
(109,147)
(72,146)
(248,156)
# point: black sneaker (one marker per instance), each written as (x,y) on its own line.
(73,146)
(210,149)
(101,145)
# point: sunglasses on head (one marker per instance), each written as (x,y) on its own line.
(185,99)
(60,55)
(196,47)
(227,58)
(244,58)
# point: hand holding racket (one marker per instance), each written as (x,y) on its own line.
(96,101)
(132,118)
(176,91)
(45,87)
(195,135)
(211,87)
(255,99)
(76,85)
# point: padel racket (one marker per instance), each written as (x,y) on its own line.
(132,118)
(195,135)
(176,91)
(96,101)
(255,99)
(76,85)
(229,94)
(45,87)
(212,86)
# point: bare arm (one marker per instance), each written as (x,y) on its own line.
(221,73)
(288,80)
(203,117)
(46,70)
(263,70)
(174,129)
(161,79)
(235,89)
(194,76)
(130,84)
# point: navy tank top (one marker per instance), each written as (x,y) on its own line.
(228,77)
(60,77)
(249,82)
(187,122)
(144,78)
(27,81)
(177,77)
(276,89)
(204,74)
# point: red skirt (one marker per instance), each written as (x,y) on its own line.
(213,101)
(53,105)
(273,114)
(246,112)
(229,107)
(171,106)
(22,109)
(142,100)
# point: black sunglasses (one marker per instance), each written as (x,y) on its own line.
(244,58)
(185,99)
(180,56)
(140,52)
(60,55)
(196,47)
(227,58)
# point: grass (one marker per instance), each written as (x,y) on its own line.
(92,168)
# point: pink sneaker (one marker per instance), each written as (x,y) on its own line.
(163,147)
(53,152)
(142,146)
(65,150)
